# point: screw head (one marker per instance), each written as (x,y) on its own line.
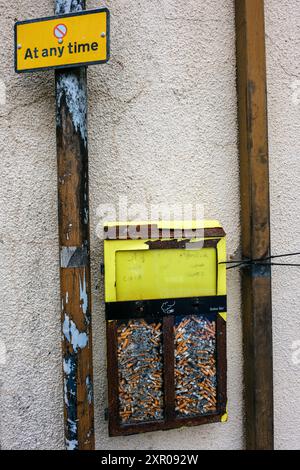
(19,46)
(103,35)
(60,41)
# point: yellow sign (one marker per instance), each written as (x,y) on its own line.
(62,41)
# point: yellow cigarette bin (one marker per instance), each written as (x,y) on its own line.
(165,295)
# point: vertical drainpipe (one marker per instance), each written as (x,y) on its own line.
(74,240)
(255,221)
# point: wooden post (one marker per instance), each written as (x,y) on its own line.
(254,172)
(73,213)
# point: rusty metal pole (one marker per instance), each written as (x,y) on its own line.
(73,214)
(255,220)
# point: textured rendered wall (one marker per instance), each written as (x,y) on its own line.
(162,126)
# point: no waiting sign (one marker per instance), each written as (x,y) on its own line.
(62,41)
(60,30)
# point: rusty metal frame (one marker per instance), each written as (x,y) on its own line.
(122,232)
(170,421)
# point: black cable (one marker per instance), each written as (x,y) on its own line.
(235,266)
(277,264)
(282,256)
(240,261)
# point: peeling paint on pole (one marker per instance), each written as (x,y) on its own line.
(79,340)
(73,210)
(72,89)
(69,6)
(70,394)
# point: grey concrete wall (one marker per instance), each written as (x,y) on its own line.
(162,126)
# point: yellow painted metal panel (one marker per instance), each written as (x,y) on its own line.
(165,273)
(221,249)
(81,38)
(112,247)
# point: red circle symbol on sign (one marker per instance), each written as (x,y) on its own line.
(60,31)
